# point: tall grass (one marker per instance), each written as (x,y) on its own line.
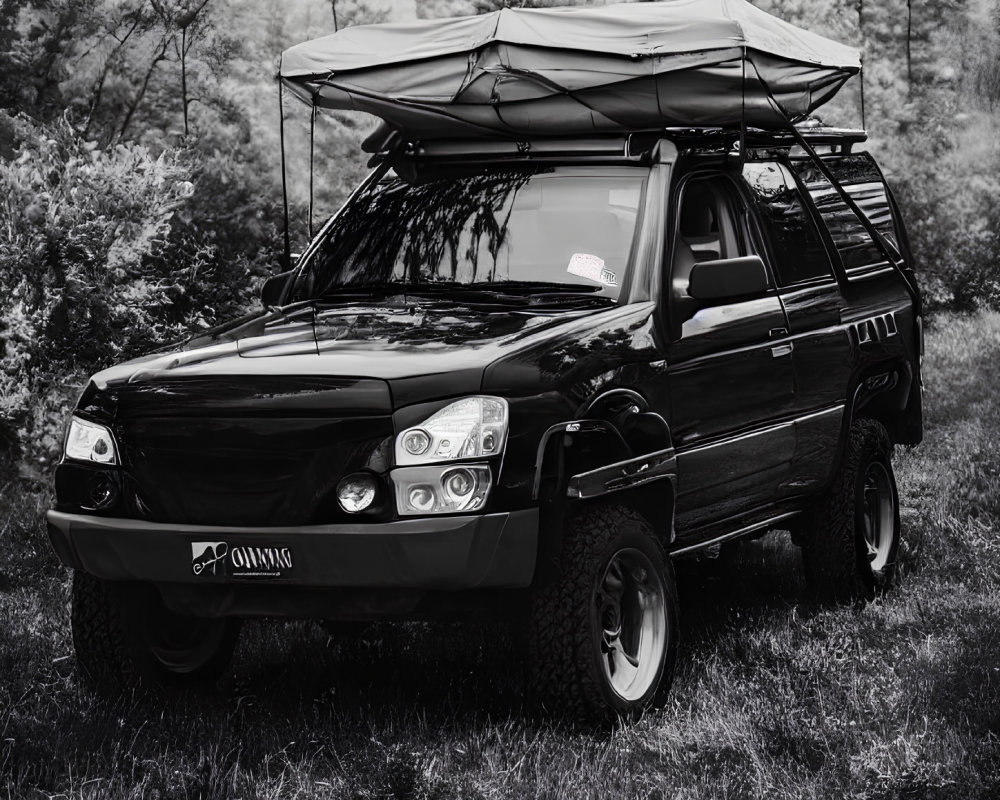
(774,697)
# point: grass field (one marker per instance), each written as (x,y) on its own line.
(774,696)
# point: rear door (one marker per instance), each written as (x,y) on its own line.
(801,263)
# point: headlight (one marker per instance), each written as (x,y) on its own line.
(88,441)
(441,489)
(474,427)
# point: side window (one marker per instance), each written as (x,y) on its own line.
(707,228)
(707,224)
(859,176)
(796,248)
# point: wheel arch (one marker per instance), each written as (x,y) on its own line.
(615,452)
(889,393)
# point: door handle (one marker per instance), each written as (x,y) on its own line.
(781,350)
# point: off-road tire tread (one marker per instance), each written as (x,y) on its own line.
(562,678)
(102,654)
(830,542)
(107,656)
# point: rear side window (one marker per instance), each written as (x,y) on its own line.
(858,174)
(796,248)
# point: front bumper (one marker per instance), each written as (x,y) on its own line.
(451,553)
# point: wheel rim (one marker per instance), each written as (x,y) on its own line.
(878,512)
(630,615)
(184,644)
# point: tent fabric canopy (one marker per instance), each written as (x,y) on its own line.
(576,70)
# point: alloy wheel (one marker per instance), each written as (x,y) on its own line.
(878,514)
(630,613)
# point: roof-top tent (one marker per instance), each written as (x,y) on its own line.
(530,74)
(525,73)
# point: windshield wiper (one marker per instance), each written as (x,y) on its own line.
(537,287)
(525,294)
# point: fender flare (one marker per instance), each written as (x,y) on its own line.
(873,383)
(646,482)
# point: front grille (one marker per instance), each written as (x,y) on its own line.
(271,457)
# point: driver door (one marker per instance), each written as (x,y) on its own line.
(730,378)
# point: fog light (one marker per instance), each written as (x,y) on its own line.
(103,492)
(421,498)
(355,493)
(101,495)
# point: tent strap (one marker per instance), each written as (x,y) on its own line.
(743,112)
(312,150)
(287,258)
(861,75)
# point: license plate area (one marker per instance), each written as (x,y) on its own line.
(239,560)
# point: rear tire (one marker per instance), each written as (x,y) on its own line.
(603,635)
(850,545)
(126,638)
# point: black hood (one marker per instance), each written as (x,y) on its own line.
(421,349)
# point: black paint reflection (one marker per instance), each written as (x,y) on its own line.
(562,227)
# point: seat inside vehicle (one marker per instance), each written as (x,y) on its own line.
(699,222)
(705,231)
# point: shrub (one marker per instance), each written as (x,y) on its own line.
(105,253)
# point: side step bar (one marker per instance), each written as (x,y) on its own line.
(763,524)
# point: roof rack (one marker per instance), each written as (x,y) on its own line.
(758,137)
(634,147)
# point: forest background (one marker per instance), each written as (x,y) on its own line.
(140,184)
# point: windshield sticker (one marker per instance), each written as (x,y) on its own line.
(591,267)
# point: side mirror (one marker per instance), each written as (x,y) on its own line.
(270,292)
(728,279)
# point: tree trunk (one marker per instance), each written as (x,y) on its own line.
(98,91)
(184,83)
(142,89)
(909,45)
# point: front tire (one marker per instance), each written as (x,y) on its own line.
(126,638)
(603,635)
(851,543)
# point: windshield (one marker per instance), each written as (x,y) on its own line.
(561,229)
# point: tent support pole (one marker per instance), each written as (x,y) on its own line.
(743,113)
(312,150)
(891,253)
(861,75)
(284,178)
(887,248)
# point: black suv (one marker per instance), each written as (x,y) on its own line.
(515,379)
